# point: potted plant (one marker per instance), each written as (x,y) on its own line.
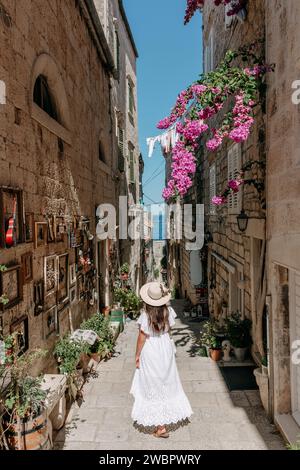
(239,334)
(210,339)
(124,270)
(23,418)
(104,346)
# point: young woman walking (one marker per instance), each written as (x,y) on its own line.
(160,403)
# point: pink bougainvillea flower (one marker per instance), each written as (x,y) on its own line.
(234,185)
(219,200)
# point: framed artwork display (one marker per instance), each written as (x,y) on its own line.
(11,286)
(29,227)
(80,287)
(50,321)
(63,278)
(20,328)
(63,321)
(38,297)
(40,234)
(11,217)
(51,229)
(59,229)
(26,261)
(72,274)
(73,294)
(50,274)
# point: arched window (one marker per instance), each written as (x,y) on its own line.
(43,98)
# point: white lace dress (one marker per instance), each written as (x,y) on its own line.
(156,387)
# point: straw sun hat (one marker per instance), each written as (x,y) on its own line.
(155,294)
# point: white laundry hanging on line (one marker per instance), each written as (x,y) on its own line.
(151,141)
(167,141)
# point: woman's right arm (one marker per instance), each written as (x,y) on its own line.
(139,346)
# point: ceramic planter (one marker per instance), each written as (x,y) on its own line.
(216,354)
(240,353)
(262,381)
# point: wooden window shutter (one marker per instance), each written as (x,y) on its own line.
(234,166)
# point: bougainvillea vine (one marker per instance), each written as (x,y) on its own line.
(193,5)
(230,89)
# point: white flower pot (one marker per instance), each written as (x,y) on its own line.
(240,353)
(262,381)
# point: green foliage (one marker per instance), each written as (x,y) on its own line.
(239,331)
(294,446)
(3,298)
(208,335)
(125,268)
(68,353)
(264,361)
(20,393)
(100,325)
(128,299)
(156,273)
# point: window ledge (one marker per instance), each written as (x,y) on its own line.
(53,126)
(105,168)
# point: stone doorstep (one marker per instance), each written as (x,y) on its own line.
(288,427)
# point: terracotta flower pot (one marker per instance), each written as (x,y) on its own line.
(124,276)
(216,354)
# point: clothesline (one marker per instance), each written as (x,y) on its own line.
(167,141)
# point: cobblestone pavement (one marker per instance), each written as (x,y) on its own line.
(221,420)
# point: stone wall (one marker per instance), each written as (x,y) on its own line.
(229,243)
(56,166)
(283,209)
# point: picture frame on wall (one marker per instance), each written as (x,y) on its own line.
(63,322)
(59,229)
(81,287)
(20,329)
(63,278)
(11,217)
(72,274)
(73,294)
(50,274)
(26,262)
(29,227)
(38,297)
(40,234)
(50,322)
(11,286)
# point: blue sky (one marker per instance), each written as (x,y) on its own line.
(170,58)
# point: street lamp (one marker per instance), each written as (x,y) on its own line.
(242,221)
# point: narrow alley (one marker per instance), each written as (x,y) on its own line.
(221,420)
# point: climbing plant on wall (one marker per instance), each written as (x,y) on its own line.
(230,92)
(193,5)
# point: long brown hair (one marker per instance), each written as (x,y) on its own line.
(158,318)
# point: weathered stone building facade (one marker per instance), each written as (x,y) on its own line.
(283,214)
(124,102)
(256,271)
(58,162)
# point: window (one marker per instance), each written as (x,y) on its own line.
(212,189)
(43,98)
(121,149)
(117,51)
(234,166)
(209,53)
(131,163)
(101,153)
(131,104)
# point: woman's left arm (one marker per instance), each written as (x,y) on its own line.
(139,346)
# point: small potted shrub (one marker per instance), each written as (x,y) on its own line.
(210,339)
(124,270)
(23,418)
(239,334)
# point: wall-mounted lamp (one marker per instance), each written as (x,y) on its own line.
(242,221)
